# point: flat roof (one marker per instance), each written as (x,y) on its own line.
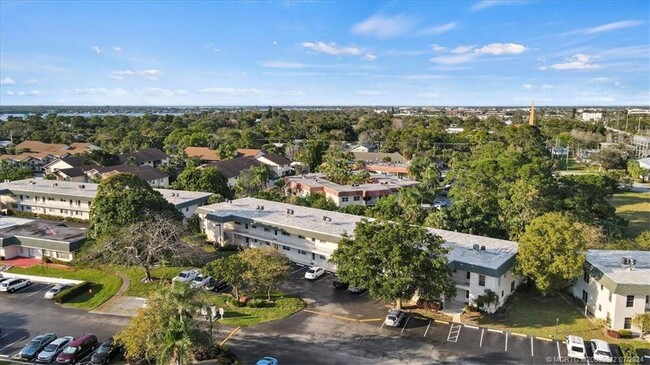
(609,263)
(40,230)
(381,182)
(498,255)
(74,189)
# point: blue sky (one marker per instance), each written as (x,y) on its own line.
(325,53)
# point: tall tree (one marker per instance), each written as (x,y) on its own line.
(9,172)
(551,252)
(394,261)
(123,199)
(266,268)
(231,269)
(208,179)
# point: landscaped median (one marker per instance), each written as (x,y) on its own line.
(256,311)
(138,288)
(102,285)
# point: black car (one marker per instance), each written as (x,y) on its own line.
(104,352)
(216,285)
(36,345)
(339,285)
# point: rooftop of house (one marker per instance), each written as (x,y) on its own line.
(380,182)
(71,172)
(248,152)
(610,264)
(395,157)
(19,227)
(146,173)
(497,252)
(38,146)
(203,153)
(234,166)
(89,190)
(149,154)
(276,159)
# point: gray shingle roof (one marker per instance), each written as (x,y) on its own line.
(149,154)
(233,167)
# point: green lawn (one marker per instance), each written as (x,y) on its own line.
(105,285)
(140,289)
(531,314)
(635,207)
(244,316)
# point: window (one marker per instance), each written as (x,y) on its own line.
(499,282)
(187,209)
(247,240)
(286,248)
(255,240)
(601,286)
(501,293)
(302,252)
(237,223)
(610,297)
(630,301)
(299,236)
(267,229)
(357,198)
(600,308)
(585,296)
(313,239)
(481,280)
(512,286)
(466,294)
(246,225)
(322,257)
(469,275)
(627,323)
(63,255)
(286,233)
(345,199)
(585,276)
(276,232)
(253,225)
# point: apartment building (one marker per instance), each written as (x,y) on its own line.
(280,165)
(31,238)
(310,236)
(615,286)
(73,199)
(150,157)
(351,194)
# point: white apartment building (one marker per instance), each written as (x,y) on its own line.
(351,194)
(615,286)
(591,116)
(73,199)
(310,236)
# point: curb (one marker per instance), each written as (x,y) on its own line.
(469,326)
(518,334)
(493,330)
(439,321)
(545,339)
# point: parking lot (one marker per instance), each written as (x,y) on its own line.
(339,327)
(26,314)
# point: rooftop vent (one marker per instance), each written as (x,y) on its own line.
(628,263)
(482,248)
(55,184)
(260,207)
(32,182)
(327,219)
(81,186)
(476,247)
(289,211)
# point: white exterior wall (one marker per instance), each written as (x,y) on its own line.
(603,304)
(500,285)
(159,183)
(26,251)
(57,165)
(73,207)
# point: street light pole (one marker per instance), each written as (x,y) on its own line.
(557,323)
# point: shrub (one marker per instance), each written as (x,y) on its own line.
(223,355)
(229,248)
(625,333)
(431,305)
(613,334)
(67,294)
(233,302)
(630,356)
(256,303)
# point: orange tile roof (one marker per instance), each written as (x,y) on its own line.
(204,153)
(38,146)
(248,152)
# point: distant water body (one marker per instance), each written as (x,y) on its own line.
(5,117)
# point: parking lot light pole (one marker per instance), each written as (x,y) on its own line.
(557,323)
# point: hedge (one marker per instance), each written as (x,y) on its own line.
(625,333)
(72,292)
(630,356)
(23,214)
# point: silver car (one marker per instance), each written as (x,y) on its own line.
(55,290)
(394,318)
(53,349)
(12,285)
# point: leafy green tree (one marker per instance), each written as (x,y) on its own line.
(231,269)
(318,201)
(266,268)
(394,261)
(102,158)
(253,180)
(387,208)
(123,199)
(337,167)
(488,300)
(551,252)
(637,172)
(226,151)
(208,179)
(8,172)
(355,209)
(311,153)
(643,240)
(610,158)
(642,320)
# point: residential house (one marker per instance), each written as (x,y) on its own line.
(363,147)
(202,153)
(233,167)
(151,175)
(373,157)
(309,236)
(280,165)
(74,200)
(151,157)
(615,286)
(64,163)
(248,152)
(351,194)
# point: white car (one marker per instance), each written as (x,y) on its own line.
(12,285)
(439,205)
(394,318)
(575,347)
(601,351)
(55,290)
(200,281)
(314,273)
(186,275)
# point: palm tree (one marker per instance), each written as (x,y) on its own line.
(489,298)
(417,167)
(359,165)
(261,176)
(430,176)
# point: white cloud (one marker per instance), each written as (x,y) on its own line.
(7,81)
(454,59)
(437,48)
(578,61)
(208,45)
(229,91)
(438,29)
(32,82)
(281,64)
(121,74)
(371,92)
(150,74)
(217,50)
(369,57)
(9,93)
(527,86)
(613,26)
(490,3)
(117,49)
(497,49)
(331,49)
(96,49)
(547,87)
(275,43)
(383,27)
(31,93)
(462,49)
(182,92)
(100,91)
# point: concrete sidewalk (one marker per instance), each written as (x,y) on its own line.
(119,304)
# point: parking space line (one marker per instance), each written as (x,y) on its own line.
(405,323)
(1,337)
(40,290)
(559,355)
(425,332)
(454,332)
(544,339)
(382,325)
(469,326)
(293,272)
(11,344)
(495,331)
(481,343)
(342,317)
(324,277)
(506,341)
(438,321)
(230,335)
(531,346)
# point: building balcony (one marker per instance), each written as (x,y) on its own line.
(461,284)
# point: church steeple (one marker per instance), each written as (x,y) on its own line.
(531,119)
